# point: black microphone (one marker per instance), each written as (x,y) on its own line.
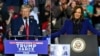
(25,17)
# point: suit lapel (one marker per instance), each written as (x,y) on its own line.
(22,22)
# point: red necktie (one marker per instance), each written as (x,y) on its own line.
(27,30)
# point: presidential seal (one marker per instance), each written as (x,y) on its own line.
(78,45)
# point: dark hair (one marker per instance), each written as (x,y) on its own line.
(74,11)
(97,5)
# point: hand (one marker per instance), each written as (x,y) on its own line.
(84,8)
(54,21)
(21,28)
(11,12)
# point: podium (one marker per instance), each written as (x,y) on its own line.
(81,45)
(26,47)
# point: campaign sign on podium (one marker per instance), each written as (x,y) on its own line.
(81,45)
(26,47)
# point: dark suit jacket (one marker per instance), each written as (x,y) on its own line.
(18,22)
(68,28)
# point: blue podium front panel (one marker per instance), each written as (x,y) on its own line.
(25,47)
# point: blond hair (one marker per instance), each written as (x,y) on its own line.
(25,6)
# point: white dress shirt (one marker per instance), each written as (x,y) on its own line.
(24,20)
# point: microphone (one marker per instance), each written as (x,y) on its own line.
(25,17)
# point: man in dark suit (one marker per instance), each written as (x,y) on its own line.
(25,25)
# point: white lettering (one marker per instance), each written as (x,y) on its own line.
(26,47)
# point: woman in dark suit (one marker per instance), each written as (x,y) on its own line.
(76,25)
